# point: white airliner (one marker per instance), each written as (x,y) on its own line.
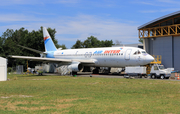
(97,57)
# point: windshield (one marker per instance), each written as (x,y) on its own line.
(137,52)
(161,67)
(143,52)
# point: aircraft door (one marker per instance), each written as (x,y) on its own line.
(127,54)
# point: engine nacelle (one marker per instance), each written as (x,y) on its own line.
(75,67)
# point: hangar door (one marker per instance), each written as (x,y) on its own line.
(177,53)
(163,46)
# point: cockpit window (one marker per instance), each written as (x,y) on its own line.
(137,52)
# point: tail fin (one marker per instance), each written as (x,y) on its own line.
(49,44)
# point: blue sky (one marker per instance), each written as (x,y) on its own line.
(79,19)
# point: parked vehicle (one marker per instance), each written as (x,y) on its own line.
(135,71)
(157,71)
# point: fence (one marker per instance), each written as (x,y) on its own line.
(19,69)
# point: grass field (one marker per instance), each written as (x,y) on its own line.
(85,95)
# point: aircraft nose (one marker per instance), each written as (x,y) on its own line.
(149,58)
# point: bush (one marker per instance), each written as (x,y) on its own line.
(9,69)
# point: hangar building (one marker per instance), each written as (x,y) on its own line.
(162,37)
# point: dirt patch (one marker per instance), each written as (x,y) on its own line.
(93,83)
(64,105)
(21,105)
(21,96)
(10,105)
(68,100)
(39,79)
(5,97)
(171,96)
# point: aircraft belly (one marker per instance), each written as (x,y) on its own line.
(110,62)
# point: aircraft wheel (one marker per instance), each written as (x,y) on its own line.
(74,73)
(140,76)
(95,71)
(145,76)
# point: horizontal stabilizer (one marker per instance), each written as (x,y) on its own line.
(37,51)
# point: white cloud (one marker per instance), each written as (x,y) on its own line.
(160,3)
(148,3)
(33,2)
(161,10)
(15,2)
(86,25)
(17,17)
(68,1)
(170,1)
(81,27)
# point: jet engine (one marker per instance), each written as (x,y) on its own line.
(75,67)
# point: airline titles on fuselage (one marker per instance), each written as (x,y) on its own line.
(102,52)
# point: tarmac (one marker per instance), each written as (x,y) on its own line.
(89,74)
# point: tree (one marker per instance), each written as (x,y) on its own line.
(2,40)
(141,40)
(92,42)
(107,43)
(61,46)
(10,40)
(78,44)
(118,43)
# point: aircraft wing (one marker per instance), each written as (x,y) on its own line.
(52,59)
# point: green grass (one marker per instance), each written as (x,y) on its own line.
(84,95)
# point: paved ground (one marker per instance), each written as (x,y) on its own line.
(89,74)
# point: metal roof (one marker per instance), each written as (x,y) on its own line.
(159,19)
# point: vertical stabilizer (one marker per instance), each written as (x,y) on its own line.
(49,44)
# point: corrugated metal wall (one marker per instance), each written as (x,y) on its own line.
(161,46)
